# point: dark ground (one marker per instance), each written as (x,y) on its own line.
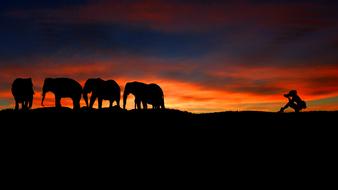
(110,120)
(103,129)
(113,130)
(167,119)
(167,140)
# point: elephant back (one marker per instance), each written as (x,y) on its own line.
(109,89)
(111,84)
(155,90)
(100,86)
(65,86)
(92,84)
(154,94)
(70,84)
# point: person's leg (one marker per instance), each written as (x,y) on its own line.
(296,107)
(285,107)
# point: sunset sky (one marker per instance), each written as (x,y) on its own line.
(207,55)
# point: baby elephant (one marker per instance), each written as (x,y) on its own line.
(22,90)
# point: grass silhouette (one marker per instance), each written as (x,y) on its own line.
(156,119)
(108,130)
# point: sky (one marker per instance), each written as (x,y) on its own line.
(207,55)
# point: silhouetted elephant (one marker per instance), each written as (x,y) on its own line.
(22,90)
(145,93)
(102,90)
(62,88)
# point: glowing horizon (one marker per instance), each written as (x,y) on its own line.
(208,56)
(188,96)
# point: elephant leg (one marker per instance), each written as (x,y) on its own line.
(137,104)
(24,104)
(111,103)
(118,102)
(57,101)
(30,102)
(92,101)
(144,103)
(100,103)
(16,105)
(76,104)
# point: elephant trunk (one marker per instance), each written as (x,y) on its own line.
(86,90)
(85,97)
(43,97)
(125,95)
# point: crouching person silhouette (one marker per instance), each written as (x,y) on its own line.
(295,102)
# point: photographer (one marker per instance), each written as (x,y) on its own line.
(295,102)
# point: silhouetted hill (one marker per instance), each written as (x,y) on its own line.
(109,129)
(117,118)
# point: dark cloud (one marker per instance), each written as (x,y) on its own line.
(28,37)
(255,32)
(38,4)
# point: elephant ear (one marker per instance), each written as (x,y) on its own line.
(30,81)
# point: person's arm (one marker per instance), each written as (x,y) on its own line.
(287,96)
